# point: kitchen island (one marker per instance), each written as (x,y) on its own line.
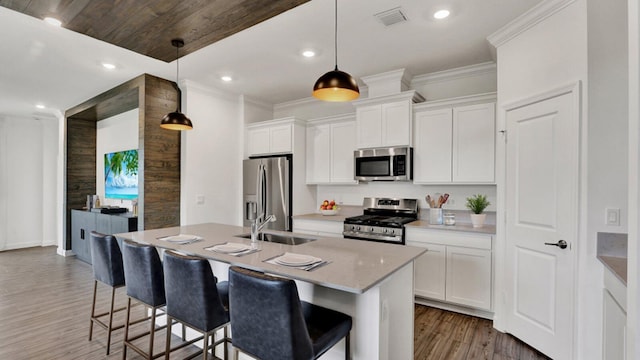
(372,282)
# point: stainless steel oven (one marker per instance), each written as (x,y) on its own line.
(383,220)
(384,164)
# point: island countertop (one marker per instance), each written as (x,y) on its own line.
(355,265)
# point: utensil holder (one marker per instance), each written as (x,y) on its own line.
(435,216)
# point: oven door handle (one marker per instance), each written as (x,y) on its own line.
(357,236)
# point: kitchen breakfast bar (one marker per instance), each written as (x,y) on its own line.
(372,282)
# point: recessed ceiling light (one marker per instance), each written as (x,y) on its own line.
(53,21)
(108,66)
(40,106)
(226,78)
(441,14)
(308,53)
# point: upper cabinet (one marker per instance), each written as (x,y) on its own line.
(271,137)
(330,146)
(385,121)
(454,141)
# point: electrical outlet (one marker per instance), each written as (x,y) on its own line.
(612,217)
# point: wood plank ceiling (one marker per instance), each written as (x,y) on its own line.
(147,26)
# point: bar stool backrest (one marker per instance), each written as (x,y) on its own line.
(143,269)
(267,320)
(106,259)
(192,294)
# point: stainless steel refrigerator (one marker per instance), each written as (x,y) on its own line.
(267,182)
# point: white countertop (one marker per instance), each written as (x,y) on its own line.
(356,266)
(485,229)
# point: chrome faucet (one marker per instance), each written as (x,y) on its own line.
(256,226)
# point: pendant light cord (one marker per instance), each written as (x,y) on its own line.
(177,64)
(335,34)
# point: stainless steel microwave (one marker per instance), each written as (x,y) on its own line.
(384,164)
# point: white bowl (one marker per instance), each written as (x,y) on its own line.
(328,212)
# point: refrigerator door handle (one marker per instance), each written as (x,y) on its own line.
(282,199)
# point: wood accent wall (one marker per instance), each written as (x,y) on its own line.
(159,150)
(81,167)
(161,156)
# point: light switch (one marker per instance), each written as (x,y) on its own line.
(200,199)
(612,217)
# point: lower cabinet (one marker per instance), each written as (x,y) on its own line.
(322,228)
(457,267)
(83,222)
(613,329)
(614,317)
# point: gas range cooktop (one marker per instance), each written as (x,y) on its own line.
(383,220)
(379,220)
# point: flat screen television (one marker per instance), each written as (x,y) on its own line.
(121,174)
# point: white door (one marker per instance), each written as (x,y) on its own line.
(542,208)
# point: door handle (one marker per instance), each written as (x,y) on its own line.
(561,244)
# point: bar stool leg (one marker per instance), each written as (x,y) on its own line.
(152,333)
(347,346)
(226,342)
(113,297)
(205,346)
(93,308)
(168,340)
(126,330)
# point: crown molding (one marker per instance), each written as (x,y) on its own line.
(293,104)
(526,21)
(257,103)
(332,119)
(453,74)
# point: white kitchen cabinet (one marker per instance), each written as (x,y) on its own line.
(270,137)
(457,268)
(430,270)
(385,121)
(474,143)
(432,154)
(322,228)
(468,278)
(454,141)
(330,147)
(613,328)
(614,317)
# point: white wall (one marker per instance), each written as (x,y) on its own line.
(117,133)
(211,168)
(28,182)
(353,194)
(549,54)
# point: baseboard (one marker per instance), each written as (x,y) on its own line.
(455,308)
(65,253)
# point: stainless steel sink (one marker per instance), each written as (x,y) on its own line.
(279,238)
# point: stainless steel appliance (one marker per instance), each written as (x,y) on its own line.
(384,164)
(383,220)
(267,188)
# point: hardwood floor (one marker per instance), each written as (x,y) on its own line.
(445,335)
(45,303)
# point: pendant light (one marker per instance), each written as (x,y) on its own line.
(177,120)
(336,85)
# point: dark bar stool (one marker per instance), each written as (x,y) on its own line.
(195,299)
(145,283)
(106,260)
(268,320)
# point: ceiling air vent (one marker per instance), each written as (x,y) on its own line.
(391,17)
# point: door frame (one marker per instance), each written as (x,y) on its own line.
(579,251)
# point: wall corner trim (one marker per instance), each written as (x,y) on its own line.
(527,20)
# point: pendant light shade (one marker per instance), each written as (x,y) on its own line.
(177,120)
(336,85)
